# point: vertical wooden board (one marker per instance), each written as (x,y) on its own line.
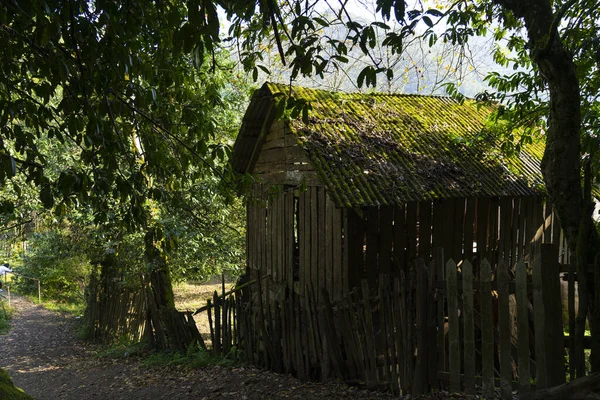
(523,327)
(483,210)
(437,232)
(345,245)
(453,328)
(459,219)
(338,275)
(411,230)
(328,242)
(493,232)
(386,219)
(539,317)
(487,335)
(469,228)
(302,244)
(250,235)
(263,234)
(425,229)
(290,218)
(314,238)
(439,268)
(268,237)
(422,342)
(505,228)
(399,245)
(514,232)
(448,227)
(276,237)
(553,328)
(371,267)
(356,241)
(504,332)
(469,328)
(521,227)
(281,242)
(321,244)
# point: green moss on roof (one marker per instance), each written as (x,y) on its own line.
(381,149)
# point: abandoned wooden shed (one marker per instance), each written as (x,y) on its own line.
(370,181)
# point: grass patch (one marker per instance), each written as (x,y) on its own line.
(5,317)
(123,348)
(195,357)
(75,309)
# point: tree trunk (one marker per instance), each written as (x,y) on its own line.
(561,162)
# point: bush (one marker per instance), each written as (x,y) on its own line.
(59,263)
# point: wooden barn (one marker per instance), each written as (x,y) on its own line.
(360,210)
(372,181)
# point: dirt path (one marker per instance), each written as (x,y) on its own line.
(45,359)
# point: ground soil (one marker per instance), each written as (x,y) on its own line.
(45,358)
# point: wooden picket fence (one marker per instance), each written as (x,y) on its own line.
(401,336)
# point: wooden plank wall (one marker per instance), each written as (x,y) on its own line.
(339,248)
(278,220)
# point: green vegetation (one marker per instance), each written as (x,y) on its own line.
(8,390)
(5,317)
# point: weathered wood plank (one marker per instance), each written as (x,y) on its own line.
(487,336)
(356,241)
(421,371)
(439,268)
(322,243)
(338,280)
(458,229)
(483,210)
(539,316)
(290,216)
(453,328)
(314,237)
(399,233)
(345,241)
(386,219)
(504,331)
(411,230)
(553,328)
(328,244)
(425,230)
(303,260)
(372,250)
(523,327)
(448,227)
(469,328)
(437,234)
(269,238)
(469,228)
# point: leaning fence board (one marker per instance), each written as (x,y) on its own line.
(469,329)
(421,373)
(504,331)
(302,244)
(483,206)
(523,327)
(372,247)
(321,283)
(453,333)
(289,229)
(487,336)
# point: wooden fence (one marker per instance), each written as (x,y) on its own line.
(402,335)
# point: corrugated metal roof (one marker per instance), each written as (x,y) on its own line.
(379,149)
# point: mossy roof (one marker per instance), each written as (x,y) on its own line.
(381,149)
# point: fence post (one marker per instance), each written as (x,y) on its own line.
(39,291)
(8,289)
